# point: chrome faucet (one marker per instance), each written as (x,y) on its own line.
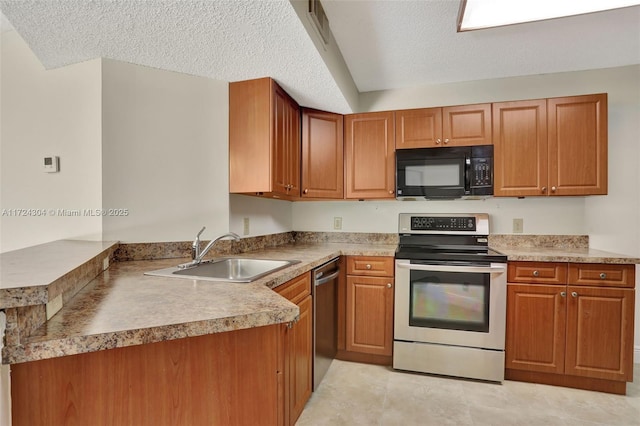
(229,235)
(197,255)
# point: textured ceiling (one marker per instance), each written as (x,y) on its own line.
(393,44)
(225,40)
(386,44)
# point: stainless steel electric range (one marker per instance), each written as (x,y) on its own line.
(450,297)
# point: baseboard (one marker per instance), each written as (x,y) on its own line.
(636,355)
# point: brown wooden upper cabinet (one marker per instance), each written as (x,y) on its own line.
(555,146)
(369,155)
(322,154)
(264,139)
(462,125)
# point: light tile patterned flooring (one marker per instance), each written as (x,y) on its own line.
(361,394)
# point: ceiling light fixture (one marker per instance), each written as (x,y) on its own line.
(479,14)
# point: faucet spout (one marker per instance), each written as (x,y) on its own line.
(227,236)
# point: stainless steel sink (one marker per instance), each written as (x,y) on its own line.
(241,270)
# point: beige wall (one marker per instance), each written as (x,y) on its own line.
(165,154)
(44,113)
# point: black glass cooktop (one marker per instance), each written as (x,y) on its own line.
(450,253)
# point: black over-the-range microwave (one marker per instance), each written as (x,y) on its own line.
(445,172)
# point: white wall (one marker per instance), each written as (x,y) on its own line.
(266,216)
(165,154)
(541,216)
(44,113)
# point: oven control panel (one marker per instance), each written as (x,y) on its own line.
(440,223)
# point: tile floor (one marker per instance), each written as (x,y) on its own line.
(361,394)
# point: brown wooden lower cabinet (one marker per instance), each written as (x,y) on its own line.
(571,335)
(218,379)
(298,348)
(368,310)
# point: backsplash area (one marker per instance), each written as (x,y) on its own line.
(181,249)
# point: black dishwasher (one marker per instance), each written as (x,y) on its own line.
(325,318)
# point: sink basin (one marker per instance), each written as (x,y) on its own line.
(242,270)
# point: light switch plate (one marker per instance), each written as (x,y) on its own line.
(337,223)
(51,164)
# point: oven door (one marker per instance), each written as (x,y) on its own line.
(461,305)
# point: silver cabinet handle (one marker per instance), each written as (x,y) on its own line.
(603,276)
(536,273)
(448,268)
(438,141)
(574,294)
(563,294)
(446,141)
(553,189)
(544,189)
(388,285)
(368,266)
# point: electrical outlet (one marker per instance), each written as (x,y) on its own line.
(337,223)
(518,226)
(246,229)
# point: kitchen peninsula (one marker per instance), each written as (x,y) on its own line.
(158,348)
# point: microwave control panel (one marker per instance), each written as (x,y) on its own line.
(481,172)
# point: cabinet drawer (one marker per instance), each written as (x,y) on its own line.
(602,275)
(379,266)
(537,272)
(296,289)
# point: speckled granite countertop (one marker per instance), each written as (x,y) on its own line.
(551,254)
(554,248)
(40,273)
(123,307)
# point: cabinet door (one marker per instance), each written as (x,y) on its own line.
(536,318)
(250,120)
(300,341)
(520,148)
(286,144)
(418,128)
(466,125)
(600,333)
(369,315)
(322,155)
(370,155)
(578,145)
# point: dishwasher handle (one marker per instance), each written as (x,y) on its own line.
(319,281)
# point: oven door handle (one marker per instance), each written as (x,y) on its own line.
(448,268)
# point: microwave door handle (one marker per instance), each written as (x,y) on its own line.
(449,268)
(467,174)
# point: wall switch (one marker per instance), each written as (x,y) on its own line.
(246,229)
(337,223)
(518,226)
(51,164)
